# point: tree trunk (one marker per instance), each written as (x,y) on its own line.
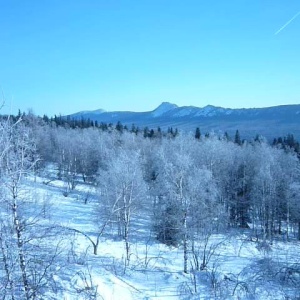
(22,260)
(126,220)
(6,268)
(95,248)
(185,246)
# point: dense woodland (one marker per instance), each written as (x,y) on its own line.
(190,185)
(253,183)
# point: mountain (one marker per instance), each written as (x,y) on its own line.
(165,107)
(270,122)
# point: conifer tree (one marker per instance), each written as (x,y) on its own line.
(198,133)
(237,138)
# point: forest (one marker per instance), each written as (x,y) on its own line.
(191,187)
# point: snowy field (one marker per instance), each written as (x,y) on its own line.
(237,266)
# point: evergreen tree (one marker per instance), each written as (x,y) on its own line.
(198,133)
(46,119)
(159,133)
(146,132)
(290,141)
(226,136)
(237,138)
(119,127)
(133,128)
(151,133)
(175,132)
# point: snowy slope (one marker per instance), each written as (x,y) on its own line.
(155,270)
(162,109)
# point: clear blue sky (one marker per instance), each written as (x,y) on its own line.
(64,56)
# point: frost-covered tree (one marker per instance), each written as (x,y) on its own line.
(189,198)
(122,191)
(270,186)
(26,258)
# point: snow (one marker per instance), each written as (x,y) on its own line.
(163,108)
(207,111)
(211,111)
(184,112)
(97,111)
(155,270)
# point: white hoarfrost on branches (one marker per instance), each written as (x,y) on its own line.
(104,213)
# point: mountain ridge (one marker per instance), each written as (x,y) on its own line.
(268,121)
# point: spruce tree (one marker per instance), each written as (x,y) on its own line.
(198,133)
(237,138)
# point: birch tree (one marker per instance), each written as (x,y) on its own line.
(26,259)
(123,191)
(188,199)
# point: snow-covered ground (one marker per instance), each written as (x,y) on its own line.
(239,269)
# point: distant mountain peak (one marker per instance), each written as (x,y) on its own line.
(163,108)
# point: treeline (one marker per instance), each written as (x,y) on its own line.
(82,123)
(288,142)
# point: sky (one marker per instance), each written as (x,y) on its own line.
(61,57)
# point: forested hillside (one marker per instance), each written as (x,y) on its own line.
(191,189)
(267,121)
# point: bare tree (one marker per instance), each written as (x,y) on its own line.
(189,198)
(122,192)
(26,258)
